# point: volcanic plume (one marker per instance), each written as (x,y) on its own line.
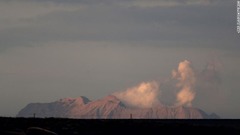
(186,82)
(145,95)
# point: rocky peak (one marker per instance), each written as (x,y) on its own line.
(108,107)
(80,100)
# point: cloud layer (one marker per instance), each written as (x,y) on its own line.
(34,23)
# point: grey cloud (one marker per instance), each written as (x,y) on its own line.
(192,26)
(211,73)
(136,3)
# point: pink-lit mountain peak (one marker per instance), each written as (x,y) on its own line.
(108,107)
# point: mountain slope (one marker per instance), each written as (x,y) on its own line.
(61,108)
(108,107)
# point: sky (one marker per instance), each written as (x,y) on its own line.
(52,49)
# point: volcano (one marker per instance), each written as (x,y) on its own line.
(109,107)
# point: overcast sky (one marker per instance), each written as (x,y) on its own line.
(52,49)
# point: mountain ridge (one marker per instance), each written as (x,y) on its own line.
(109,107)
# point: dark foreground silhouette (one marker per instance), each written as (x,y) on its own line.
(59,126)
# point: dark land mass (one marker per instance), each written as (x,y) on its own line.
(63,126)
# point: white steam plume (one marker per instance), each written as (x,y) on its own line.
(145,95)
(186,82)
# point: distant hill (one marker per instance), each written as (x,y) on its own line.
(109,107)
